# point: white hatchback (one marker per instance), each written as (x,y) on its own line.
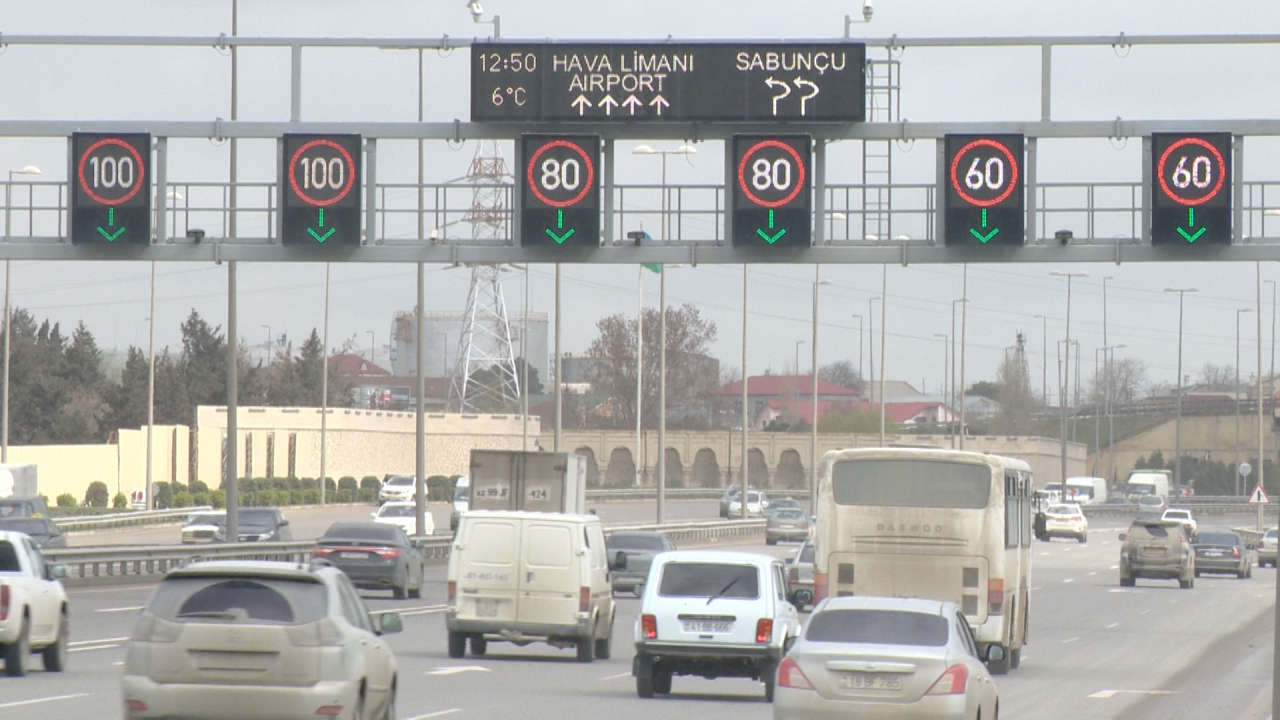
(404,514)
(1066,520)
(1180,515)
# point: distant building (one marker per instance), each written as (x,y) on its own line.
(373,387)
(786,396)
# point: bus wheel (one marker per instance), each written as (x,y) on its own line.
(1015,658)
(1001,666)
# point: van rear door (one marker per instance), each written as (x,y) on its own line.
(488,579)
(550,575)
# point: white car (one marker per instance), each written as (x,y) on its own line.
(397,487)
(1066,520)
(757,503)
(879,657)
(253,640)
(404,514)
(203,527)
(712,613)
(34,617)
(1181,516)
(1267,548)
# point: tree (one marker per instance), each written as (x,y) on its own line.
(850,419)
(689,369)
(535,384)
(84,407)
(985,388)
(1128,377)
(842,373)
(1218,377)
(1014,396)
(203,365)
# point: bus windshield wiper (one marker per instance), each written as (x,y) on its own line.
(724,589)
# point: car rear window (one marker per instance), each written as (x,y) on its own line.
(1156,531)
(806,554)
(361,531)
(690,579)
(879,627)
(789,514)
(1217,538)
(1062,510)
(239,599)
(400,481)
(1272,533)
(397,511)
(623,541)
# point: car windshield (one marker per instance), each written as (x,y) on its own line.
(1217,538)
(30,526)
(372,532)
(397,511)
(400,480)
(1063,510)
(235,598)
(879,627)
(263,518)
(635,541)
(693,579)
(1272,533)
(1150,500)
(462,493)
(789,514)
(1150,530)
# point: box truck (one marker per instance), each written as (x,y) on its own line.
(1148,482)
(1087,490)
(536,481)
(18,481)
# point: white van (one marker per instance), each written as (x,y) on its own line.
(526,577)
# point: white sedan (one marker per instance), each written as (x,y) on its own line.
(1066,520)
(404,515)
(1181,516)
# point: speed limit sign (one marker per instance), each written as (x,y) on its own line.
(1191,188)
(559,182)
(320,184)
(983,177)
(772,181)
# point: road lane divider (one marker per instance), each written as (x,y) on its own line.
(617,676)
(436,714)
(127,608)
(99,641)
(33,701)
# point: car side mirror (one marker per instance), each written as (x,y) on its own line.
(388,623)
(56,572)
(995,654)
(284,523)
(789,561)
(618,561)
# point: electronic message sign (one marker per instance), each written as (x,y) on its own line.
(1191,188)
(110,188)
(983,176)
(320,184)
(653,82)
(771,179)
(559,190)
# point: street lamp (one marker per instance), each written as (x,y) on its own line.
(371,346)
(946,366)
(4,429)
(1177,392)
(1044,358)
(796,366)
(1062,402)
(476,10)
(1272,374)
(267,346)
(1236,397)
(1109,364)
(858,317)
(685,149)
(813,400)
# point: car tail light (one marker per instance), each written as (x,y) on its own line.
(952,682)
(764,630)
(794,574)
(451,593)
(649,626)
(4,602)
(995,595)
(387,553)
(819,586)
(1235,552)
(1077,517)
(791,676)
(133,705)
(584,599)
(322,551)
(329,710)
(150,628)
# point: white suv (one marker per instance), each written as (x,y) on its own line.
(1181,516)
(714,614)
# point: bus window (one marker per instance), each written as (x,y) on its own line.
(1012,506)
(911,483)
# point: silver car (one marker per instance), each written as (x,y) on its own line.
(631,552)
(878,657)
(252,640)
(1267,548)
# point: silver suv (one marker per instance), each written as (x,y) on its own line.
(1157,549)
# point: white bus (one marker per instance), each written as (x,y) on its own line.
(940,524)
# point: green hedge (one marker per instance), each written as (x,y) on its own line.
(120,502)
(66,500)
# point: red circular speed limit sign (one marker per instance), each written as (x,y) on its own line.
(327,171)
(1191,171)
(114,176)
(990,175)
(777,173)
(564,177)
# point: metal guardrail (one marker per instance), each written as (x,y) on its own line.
(1115,510)
(96,564)
(125,519)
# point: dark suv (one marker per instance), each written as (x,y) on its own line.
(1157,549)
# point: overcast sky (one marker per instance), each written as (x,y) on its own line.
(91,84)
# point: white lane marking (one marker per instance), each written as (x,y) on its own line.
(1108,694)
(51,698)
(438,713)
(1044,554)
(1092,573)
(619,676)
(1113,626)
(118,663)
(1145,612)
(1114,567)
(1070,640)
(99,641)
(93,647)
(127,608)
(1067,580)
(446,670)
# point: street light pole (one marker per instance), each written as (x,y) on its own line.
(1110,361)
(1066,374)
(745,378)
(859,319)
(1044,359)
(964,315)
(639,373)
(884,292)
(946,340)
(1177,425)
(871,343)
(1239,486)
(813,400)
(1272,375)
(662,393)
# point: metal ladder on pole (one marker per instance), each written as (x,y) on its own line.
(883,105)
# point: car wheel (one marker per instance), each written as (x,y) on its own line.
(603,645)
(1241,574)
(1197,573)
(478,645)
(1248,571)
(357,713)
(769,676)
(1015,658)
(586,648)
(389,713)
(398,592)
(1126,581)
(1186,584)
(457,644)
(638,590)
(15,655)
(1001,666)
(644,676)
(415,592)
(662,674)
(55,655)
(1084,537)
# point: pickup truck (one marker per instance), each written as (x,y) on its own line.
(33,606)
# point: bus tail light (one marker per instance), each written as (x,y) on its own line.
(451,593)
(1235,552)
(995,595)
(952,682)
(791,676)
(764,630)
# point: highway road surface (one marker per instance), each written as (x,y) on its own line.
(1153,652)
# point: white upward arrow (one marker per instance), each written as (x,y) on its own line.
(631,103)
(581,103)
(658,102)
(608,103)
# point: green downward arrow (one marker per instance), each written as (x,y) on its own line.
(984,238)
(771,239)
(111,220)
(318,237)
(1191,223)
(559,226)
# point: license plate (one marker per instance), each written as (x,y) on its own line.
(869,681)
(787,526)
(707,626)
(354,555)
(487,607)
(1214,553)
